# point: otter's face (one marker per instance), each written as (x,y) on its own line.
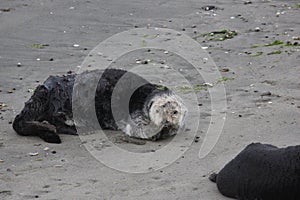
(167,111)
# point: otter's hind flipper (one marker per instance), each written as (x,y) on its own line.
(50,137)
(44,130)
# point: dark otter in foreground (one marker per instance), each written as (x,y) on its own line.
(49,110)
(261,172)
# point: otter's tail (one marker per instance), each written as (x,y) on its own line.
(213,177)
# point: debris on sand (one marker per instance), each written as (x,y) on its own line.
(209,8)
(5,9)
(220,35)
(275,52)
(223,79)
(2,105)
(11,91)
(247,2)
(268,93)
(277,42)
(224,70)
(46,149)
(269,82)
(259,53)
(33,153)
(76,45)
(39,46)
(273,43)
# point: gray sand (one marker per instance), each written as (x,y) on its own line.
(71,172)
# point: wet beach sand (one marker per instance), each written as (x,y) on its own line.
(255,45)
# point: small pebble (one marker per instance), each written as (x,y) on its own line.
(5,9)
(33,153)
(46,149)
(76,45)
(1,161)
(295,38)
(224,70)
(19,64)
(208,8)
(266,94)
(145,62)
(247,2)
(53,152)
(257,29)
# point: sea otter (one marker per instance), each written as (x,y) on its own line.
(152,107)
(261,172)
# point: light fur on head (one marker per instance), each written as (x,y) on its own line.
(167,110)
(165,117)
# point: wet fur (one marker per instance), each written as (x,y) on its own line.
(261,172)
(49,110)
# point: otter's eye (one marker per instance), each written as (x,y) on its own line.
(175,112)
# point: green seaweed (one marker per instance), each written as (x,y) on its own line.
(296,5)
(143,43)
(184,88)
(255,46)
(223,79)
(160,87)
(38,46)
(275,52)
(259,53)
(201,87)
(197,87)
(220,35)
(293,44)
(275,42)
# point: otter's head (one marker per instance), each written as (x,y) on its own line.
(167,110)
